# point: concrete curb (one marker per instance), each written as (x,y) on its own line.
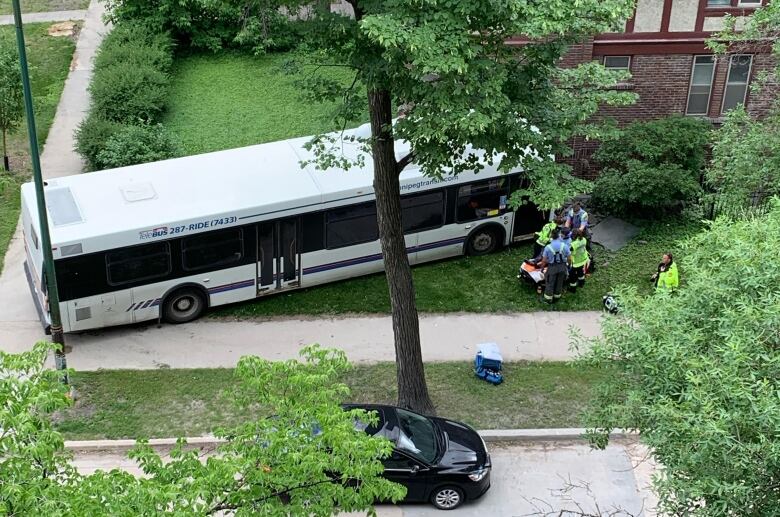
(489,435)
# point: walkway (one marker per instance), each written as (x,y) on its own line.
(58,159)
(53,16)
(542,336)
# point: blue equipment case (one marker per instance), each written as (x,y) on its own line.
(487,363)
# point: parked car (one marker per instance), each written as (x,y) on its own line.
(436,459)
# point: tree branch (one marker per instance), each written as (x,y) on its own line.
(401,164)
(229,506)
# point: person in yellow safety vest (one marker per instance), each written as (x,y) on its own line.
(667,276)
(579,259)
(544,236)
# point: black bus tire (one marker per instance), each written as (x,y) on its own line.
(183,305)
(482,241)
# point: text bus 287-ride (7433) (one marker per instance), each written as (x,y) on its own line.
(170,239)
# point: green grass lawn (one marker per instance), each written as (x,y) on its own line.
(162,403)
(222,101)
(476,284)
(40,6)
(49,59)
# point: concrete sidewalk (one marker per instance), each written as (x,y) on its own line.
(207,343)
(52,16)
(58,159)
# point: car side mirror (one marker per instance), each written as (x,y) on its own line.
(415,469)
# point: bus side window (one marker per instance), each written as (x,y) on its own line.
(422,211)
(482,199)
(313,232)
(138,263)
(212,249)
(351,225)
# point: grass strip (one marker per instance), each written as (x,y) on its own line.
(117,404)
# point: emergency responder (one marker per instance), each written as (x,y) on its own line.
(667,276)
(577,218)
(579,259)
(556,256)
(544,236)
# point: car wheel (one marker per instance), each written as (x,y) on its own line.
(183,306)
(447,498)
(482,242)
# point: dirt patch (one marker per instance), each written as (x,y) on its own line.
(63,29)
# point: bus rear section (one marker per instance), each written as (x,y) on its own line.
(33,264)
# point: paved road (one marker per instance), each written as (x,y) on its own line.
(526,478)
(210,343)
(53,16)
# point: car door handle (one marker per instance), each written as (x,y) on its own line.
(468,227)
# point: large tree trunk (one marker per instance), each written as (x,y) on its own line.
(410,372)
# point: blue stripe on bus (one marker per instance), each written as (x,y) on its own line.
(378,256)
(314,269)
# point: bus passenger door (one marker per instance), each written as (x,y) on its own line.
(278,264)
(289,259)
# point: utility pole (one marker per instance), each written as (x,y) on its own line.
(57,335)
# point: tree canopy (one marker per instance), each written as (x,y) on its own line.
(697,372)
(303,456)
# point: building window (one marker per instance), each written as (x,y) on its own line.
(701,85)
(617,62)
(750,3)
(718,3)
(737,82)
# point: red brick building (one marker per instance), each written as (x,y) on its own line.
(673,71)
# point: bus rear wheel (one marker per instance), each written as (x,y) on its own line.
(183,306)
(482,242)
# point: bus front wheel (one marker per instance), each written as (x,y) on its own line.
(183,306)
(482,242)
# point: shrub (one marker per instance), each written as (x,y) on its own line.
(645,189)
(212,24)
(652,168)
(135,43)
(129,92)
(91,137)
(132,145)
(677,139)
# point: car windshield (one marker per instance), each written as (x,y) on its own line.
(417,435)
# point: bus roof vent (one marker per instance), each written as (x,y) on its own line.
(138,192)
(62,207)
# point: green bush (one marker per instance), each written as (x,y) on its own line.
(677,139)
(211,24)
(652,168)
(91,137)
(129,93)
(132,145)
(645,189)
(138,44)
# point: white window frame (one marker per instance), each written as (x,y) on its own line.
(627,68)
(718,6)
(747,3)
(728,78)
(690,86)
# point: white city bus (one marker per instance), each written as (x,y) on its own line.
(169,239)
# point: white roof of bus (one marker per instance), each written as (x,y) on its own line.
(256,180)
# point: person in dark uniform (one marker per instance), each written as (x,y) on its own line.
(556,256)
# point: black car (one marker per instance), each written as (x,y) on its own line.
(437,460)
